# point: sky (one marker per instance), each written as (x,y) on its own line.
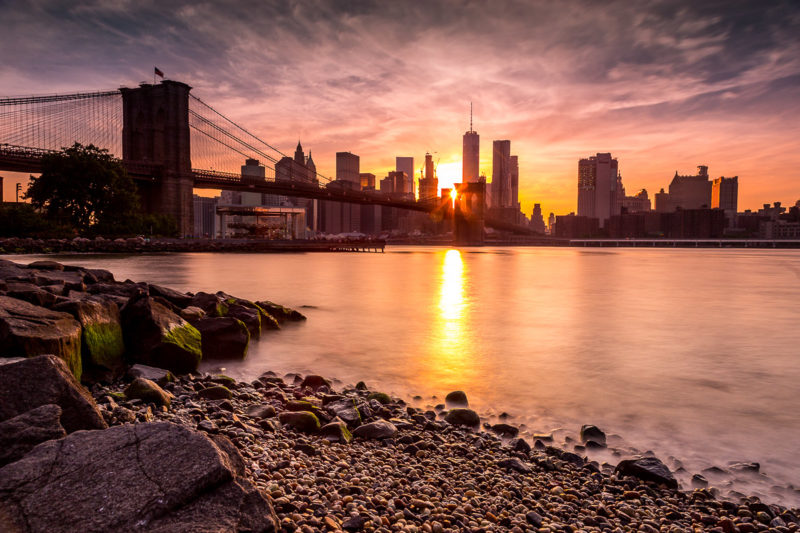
(662,85)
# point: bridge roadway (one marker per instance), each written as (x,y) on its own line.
(23,159)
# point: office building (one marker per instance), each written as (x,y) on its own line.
(537,220)
(725,193)
(598,187)
(638,203)
(686,192)
(501,174)
(406,164)
(348,168)
(514,181)
(205,217)
(429,185)
(367,180)
(470,156)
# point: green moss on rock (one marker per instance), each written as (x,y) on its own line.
(380,397)
(186,337)
(102,344)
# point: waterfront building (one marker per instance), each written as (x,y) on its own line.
(725,196)
(205,217)
(551,222)
(640,202)
(406,164)
(501,174)
(599,187)
(686,192)
(576,226)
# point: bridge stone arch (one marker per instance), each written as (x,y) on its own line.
(469,214)
(155,141)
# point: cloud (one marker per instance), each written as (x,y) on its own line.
(652,80)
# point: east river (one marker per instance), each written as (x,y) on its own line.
(693,354)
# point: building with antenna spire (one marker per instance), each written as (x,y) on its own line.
(470,158)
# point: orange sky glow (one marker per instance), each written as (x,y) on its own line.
(663,86)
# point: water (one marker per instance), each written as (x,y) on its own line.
(693,354)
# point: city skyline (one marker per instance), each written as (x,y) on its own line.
(683,85)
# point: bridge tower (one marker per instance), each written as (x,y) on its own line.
(155,137)
(469,213)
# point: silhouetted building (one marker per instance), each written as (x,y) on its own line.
(576,227)
(429,185)
(537,221)
(514,169)
(551,222)
(501,174)
(406,164)
(686,192)
(725,196)
(205,217)
(471,155)
(1,189)
(367,180)
(348,168)
(637,203)
(696,224)
(598,180)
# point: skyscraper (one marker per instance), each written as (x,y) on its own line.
(501,174)
(598,179)
(514,181)
(470,157)
(348,168)
(725,193)
(429,185)
(406,164)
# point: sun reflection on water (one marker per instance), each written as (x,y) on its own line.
(450,361)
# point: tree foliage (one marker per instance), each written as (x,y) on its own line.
(22,220)
(84,186)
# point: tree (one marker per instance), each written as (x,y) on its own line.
(86,187)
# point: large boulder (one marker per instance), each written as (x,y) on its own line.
(380,429)
(456,398)
(155,336)
(102,345)
(647,469)
(44,380)
(212,304)
(463,417)
(346,410)
(159,375)
(27,330)
(72,281)
(249,316)
(594,434)
(176,298)
(223,338)
(147,391)
(21,434)
(150,477)
(30,292)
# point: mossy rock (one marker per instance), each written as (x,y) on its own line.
(217,392)
(118,396)
(303,421)
(103,345)
(381,397)
(336,432)
(148,392)
(222,379)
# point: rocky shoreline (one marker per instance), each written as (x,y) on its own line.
(153,445)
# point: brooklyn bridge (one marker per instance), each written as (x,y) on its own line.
(160,130)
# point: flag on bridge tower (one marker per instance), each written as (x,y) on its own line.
(158,72)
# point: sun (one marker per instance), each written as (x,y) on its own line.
(448,174)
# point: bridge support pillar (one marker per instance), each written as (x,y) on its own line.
(469,214)
(155,138)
